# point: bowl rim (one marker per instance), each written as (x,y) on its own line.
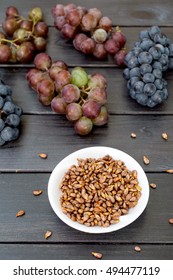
(97,152)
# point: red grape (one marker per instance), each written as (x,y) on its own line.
(97,80)
(91,108)
(89,22)
(5,53)
(87,46)
(100,51)
(98,94)
(58,105)
(10,25)
(12,11)
(24,54)
(70,93)
(61,79)
(26,24)
(112,46)
(73,17)
(58,10)
(41,29)
(42,61)
(59,22)
(79,38)
(105,23)
(83,126)
(73,111)
(119,57)
(40,43)
(119,37)
(46,87)
(102,118)
(68,31)
(96,13)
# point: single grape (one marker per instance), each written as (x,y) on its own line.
(97,80)
(120,57)
(21,35)
(91,108)
(87,46)
(42,61)
(46,87)
(41,29)
(105,23)
(83,126)
(24,54)
(70,93)
(119,37)
(58,10)
(26,24)
(73,17)
(79,77)
(40,43)
(100,35)
(59,22)
(79,38)
(61,79)
(36,14)
(10,25)
(96,13)
(73,112)
(68,31)
(111,46)
(35,78)
(102,118)
(11,11)
(12,120)
(89,22)
(5,53)
(58,105)
(98,94)
(100,51)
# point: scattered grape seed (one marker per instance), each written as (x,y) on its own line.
(43,156)
(97,255)
(37,192)
(164,136)
(153,186)
(137,248)
(20,213)
(171,220)
(133,135)
(169,171)
(146,160)
(48,234)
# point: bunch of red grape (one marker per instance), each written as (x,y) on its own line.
(81,97)
(91,32)
(22,38)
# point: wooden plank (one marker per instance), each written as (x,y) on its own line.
(119,101)
(121,12)
(55,136)
(84,252)
(16,193)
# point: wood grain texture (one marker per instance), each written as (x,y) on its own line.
(122,12)
(83,252)
(16,194)
(55,136)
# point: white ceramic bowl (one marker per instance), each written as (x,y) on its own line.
(54,192)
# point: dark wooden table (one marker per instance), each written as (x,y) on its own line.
(22,171)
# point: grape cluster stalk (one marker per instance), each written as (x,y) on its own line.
(76,94)
(91,32)
(22,38)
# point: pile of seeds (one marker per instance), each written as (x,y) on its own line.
(96,192)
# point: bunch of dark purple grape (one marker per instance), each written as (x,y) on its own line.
(146,64)
(91,32)
(23,38)
(9,115)
(81,97)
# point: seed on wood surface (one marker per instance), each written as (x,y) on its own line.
(171,220)
(146,160)
(37,192)
(153,186)
(20,213)
(137,249)
(164,136)
(97,255)
(169,171)
(133,135)
(47,234)
(43,155)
